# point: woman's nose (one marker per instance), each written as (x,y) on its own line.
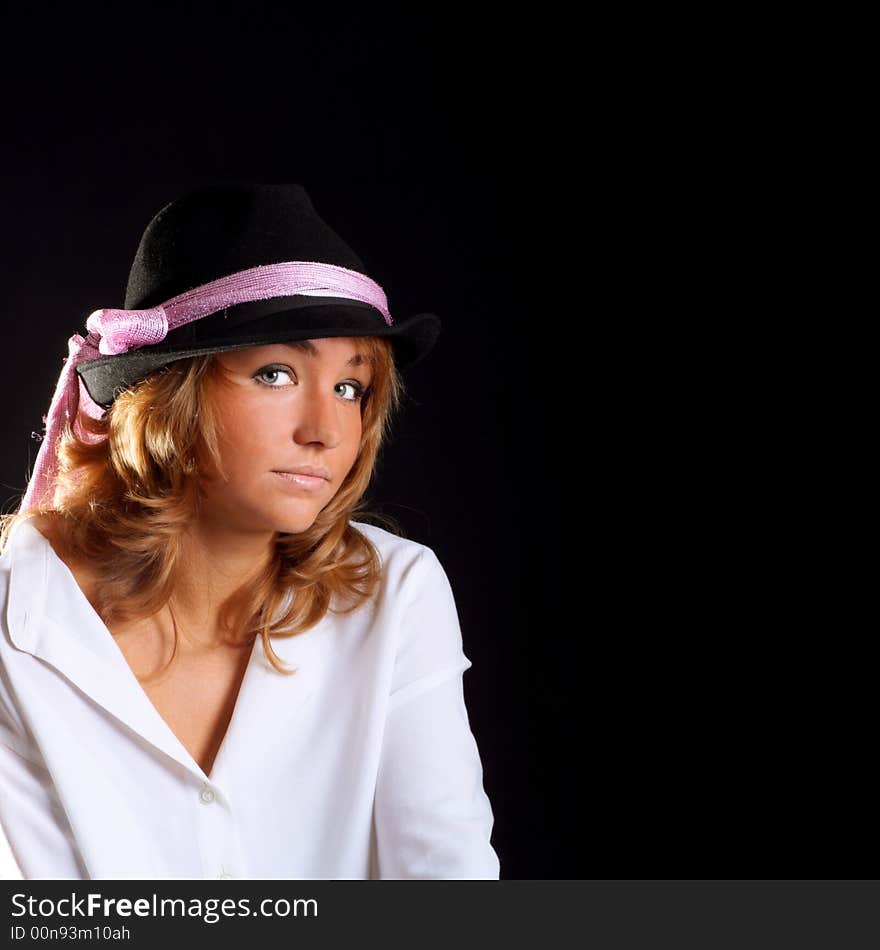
(317,419)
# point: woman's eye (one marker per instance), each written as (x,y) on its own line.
(268,371)
(357,389)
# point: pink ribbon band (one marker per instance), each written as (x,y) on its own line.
(117,331)
(120,330)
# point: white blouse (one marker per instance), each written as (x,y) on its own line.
(360,766)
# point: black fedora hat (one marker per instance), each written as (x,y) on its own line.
(218,230)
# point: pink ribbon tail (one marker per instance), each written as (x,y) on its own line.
(64,407)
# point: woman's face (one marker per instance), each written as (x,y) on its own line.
(283,406)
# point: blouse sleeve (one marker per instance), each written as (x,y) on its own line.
(32,827)
(433,819)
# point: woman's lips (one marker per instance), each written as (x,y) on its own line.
(305,482)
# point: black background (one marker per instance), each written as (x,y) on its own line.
(644,703)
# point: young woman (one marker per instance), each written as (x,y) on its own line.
(210,665)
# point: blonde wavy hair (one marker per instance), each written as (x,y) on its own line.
(126,493)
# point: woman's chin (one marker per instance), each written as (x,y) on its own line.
(287,524)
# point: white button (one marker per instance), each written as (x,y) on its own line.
(207,794)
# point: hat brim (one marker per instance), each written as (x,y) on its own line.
(261,323)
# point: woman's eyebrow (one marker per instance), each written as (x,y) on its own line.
(308,347)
